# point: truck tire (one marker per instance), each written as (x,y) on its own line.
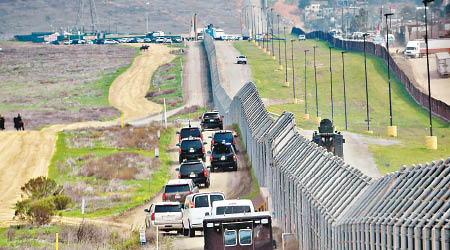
(207,184)
(191,232)
(185,231)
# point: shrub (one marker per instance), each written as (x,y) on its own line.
(41,211)
(61,201)
(22,209)
(41,187)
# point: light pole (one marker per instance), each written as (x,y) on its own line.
(286,83)
(345,96)
(271,31)
(315,82)
(431,141)
(392,130)
(306,115)
(261,27)
(331,84)
(367,89)
(148,3)
(293,71)
(280,67)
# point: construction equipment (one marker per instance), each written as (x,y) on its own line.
(332,140)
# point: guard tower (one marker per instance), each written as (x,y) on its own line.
(332,140)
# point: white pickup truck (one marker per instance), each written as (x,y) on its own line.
(232,207)
(167,216)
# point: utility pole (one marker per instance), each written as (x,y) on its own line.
(306,115)
(293,70)
(367,89)
(331,83)
(345,96)
(271,29)
(390,133)
(280,67)
(286,83)
(315,81)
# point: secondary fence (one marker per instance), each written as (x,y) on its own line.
(438,107)
(326,203)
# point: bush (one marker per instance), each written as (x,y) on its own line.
(22,209)
(61,201)
(41,187)
(41,211)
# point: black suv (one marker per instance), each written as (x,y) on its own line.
(195,170)
(211,120)
(187,132)
(223,156)
(223,136)
(192,149)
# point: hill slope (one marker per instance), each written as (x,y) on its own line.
(128,16)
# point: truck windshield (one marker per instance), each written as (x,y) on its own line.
(177,188)
(167,208)
(188,168)
(222,149)
(233,209)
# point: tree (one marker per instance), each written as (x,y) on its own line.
(41,187)
(359,21)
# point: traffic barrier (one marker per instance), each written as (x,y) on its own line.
(328,204)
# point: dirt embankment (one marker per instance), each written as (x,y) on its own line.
(27,154)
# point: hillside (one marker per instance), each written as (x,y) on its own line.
(128,16)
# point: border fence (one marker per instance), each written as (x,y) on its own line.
(326,203)
(438,107)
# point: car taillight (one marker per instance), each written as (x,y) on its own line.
(179,175)
(205,172)
(180,137)
(153,216)
(234,157)
(220,118)
(203,149)
(203,119)
(234,141)
(164,197)
(192,203)
(212,141)
(190,192)
(180,150)
(211,158)
(201,136)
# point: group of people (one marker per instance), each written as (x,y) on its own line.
(18,123)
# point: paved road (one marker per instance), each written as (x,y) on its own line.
(232,75)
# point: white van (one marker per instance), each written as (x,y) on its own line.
(195,208)
(232,207)
(301,37)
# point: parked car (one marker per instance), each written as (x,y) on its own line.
(195,207)
(223,136)
(301,37)
(178,189)
(211,119)
(166,215)
(232,207)
(167,40)
(223,156)
(191,131)
(177,40)
(147,40)
(160,40)
(239,231)
(110,41)
(195,170)
(241,60)
(191,149)
(54,42)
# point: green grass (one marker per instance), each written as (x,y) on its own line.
(410,118)
(139,188)
(173,100)
(191,115)
(27,237)
(255,186)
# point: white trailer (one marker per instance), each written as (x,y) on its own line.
(443,64)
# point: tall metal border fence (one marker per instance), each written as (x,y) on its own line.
(326,203)
(438,107)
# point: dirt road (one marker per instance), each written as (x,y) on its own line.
(356,151)
(27,154)
(232,75)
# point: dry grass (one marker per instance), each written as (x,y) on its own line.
(59,84)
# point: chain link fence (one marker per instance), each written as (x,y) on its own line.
(326,203)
